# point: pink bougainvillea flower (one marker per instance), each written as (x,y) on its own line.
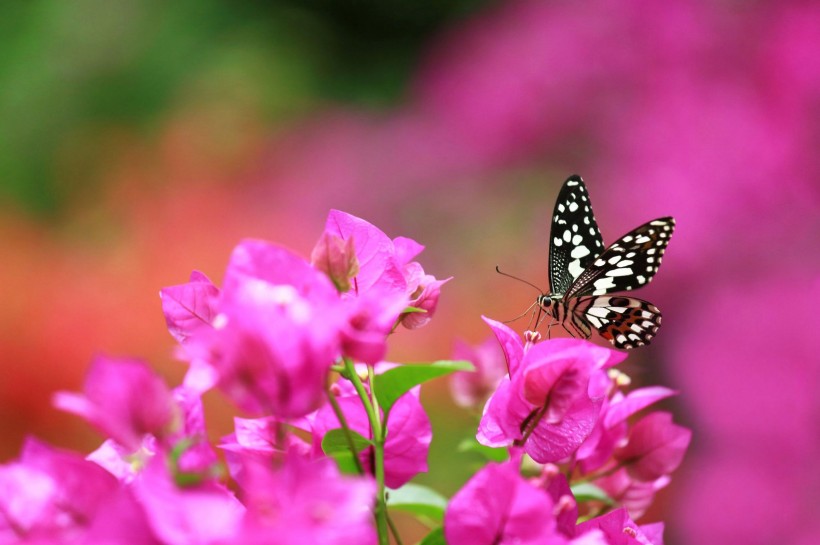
(619,529)
(266,348)
(552,403)
(408,435)
(260,440)
(50,495)
(655,448)
(177,515)
(376,254)
(125,400)
(425,291)
(498,507)
(634,495)
(370,318)
(565,507)
(611,429)
(189,307)
(472,389)
(304,501)
(193,455)
(385,265)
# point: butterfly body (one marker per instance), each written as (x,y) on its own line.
(583,273)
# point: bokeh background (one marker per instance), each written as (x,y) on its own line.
(141,139)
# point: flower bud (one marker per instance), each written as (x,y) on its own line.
(336,257)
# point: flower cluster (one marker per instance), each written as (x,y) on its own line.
(562,405)
(336,433)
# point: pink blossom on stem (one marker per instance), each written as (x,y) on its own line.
(385,266)
(276,334)
(264,440)
(408,435)
(124,400)
(498,507)
(424,295)
(304,501)
(552,403)
(180,515)
(370,319)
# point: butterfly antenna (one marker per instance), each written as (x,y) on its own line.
(498,270)
(520,315)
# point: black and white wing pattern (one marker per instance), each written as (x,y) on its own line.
(626,322)
(628,263)
(575,240)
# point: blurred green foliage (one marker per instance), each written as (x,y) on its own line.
(70,70)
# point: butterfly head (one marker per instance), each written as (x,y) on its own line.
(548,302)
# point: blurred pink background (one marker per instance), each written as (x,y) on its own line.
(138,142)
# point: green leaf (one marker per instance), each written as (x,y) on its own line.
(392,384)
(436,537)
(491,454)
(418,500)
(346,463)
(411,310)
(589,492)
(335,442)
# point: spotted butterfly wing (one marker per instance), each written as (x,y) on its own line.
(581,274)
(575,240)
(628,263)
(626,322)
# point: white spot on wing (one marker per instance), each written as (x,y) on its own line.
(567,235)
(575,268)
(600,312)
(579,251)
(594,321)
(619,272)
(573,206)
(604,283)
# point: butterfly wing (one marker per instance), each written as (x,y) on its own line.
(575,240)
(628,263)
(626,322)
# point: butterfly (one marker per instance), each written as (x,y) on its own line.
(583,273)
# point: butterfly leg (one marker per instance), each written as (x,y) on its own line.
(571,334)
(549,328)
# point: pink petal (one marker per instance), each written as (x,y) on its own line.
(510,343)
(189,307)
(656,447)
(634,402)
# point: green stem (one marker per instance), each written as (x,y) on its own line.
(374,417)
(346,429)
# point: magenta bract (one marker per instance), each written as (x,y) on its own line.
(553,401)
(498,507)
(124,400)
